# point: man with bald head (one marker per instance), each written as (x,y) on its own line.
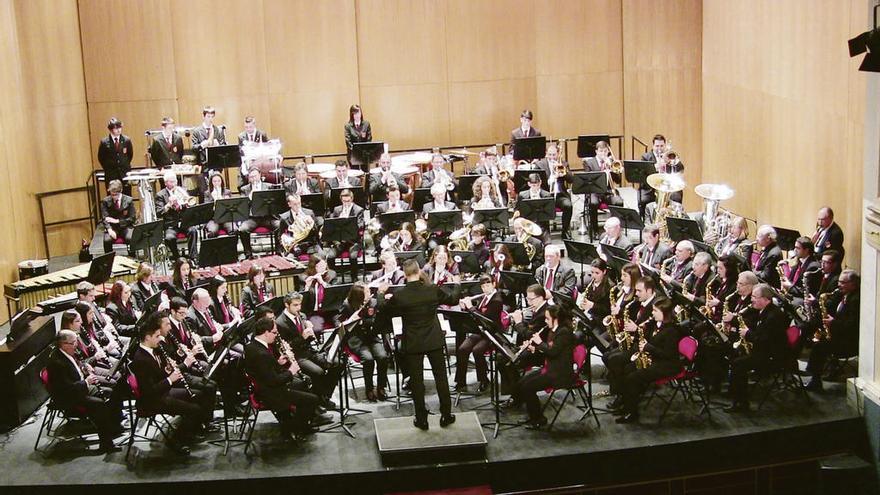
(383,178)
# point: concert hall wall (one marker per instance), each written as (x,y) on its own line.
(783,110)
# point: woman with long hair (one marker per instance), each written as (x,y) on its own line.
(364,339)
(256,292)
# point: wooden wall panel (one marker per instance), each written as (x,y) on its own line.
(662,78)
(487,111)
(785,120)
(395,112)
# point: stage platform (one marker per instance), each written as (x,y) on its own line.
(572,454)
(402,445)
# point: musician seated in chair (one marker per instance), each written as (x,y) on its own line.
(655,156)
(255,183)
(389,271)
(312,284)
(364,338)
(383,179)
(299,228)
(299,332)
(217,190)
(520,234)
(169,202)
(651,252)
(656,357)
(185,348)
(559,178)
(255,292)
(118,214)
(202,323)
(438,203)
(279,382)
(552,275)
(637,312)
(301,182)
(603,162)
(614,236)
(72,386)
(557,346)
(679,266)
(393,204)
(838,336)
(439,175)
(488,304)
(765,264)
(343,178)
(802,263)
(163,388)
(348,209)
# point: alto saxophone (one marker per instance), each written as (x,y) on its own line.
(624,338)
(610,322)
(742,343)
(642,358)
(824,330)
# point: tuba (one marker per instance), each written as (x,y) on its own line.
(714,222)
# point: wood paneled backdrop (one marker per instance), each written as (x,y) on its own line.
(428,73)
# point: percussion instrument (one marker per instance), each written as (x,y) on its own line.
(332,173)
(32,268)
(419,159)
(316,169)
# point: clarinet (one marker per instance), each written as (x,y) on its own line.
(171,367)
(183,352)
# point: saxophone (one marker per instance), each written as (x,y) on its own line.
(823,332)
(610,322)
(624,339)
(706,309)
(719,327)
(742,343)
(642,358)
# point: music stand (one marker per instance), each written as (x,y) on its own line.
(683,228)
(516,282)
(517,252)
(421,195)
(637,171)
(588,183)
(611,250)
(629,217)
(268,203)
(367,152)
(314,202)
(521,178)
(101,268)
(444,221)
(197,215)
(340,229)
(276,305)
(537,210)
(402,256)
(460,321)
(702,246)
(616,263)
(334,296)
(579,252)
(529,148)
(146,236)
(392,221)
(489,329)
(492,218)
(221,250)
(785,238)
(360,197)
(229,210)
(467,261)
(587,144)
(224,156)
(466,186)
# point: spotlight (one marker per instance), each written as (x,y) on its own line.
(869,42)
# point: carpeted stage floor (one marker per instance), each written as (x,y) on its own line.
(786,427)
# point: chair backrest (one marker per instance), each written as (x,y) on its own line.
(133,385)
(505,320)
(252,396)
(793,334)
(687,347)
(579,355)
(44,378)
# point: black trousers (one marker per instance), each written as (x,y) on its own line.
(414,363)
(372,355)
(527,389)
(636,381)
(739,375)
(192,235)
(563,202)
(294,394)
(593,210)
(324,374)
(104,414)
(476,344)
(616,362)
(823,349)
(124,233)
(250,225)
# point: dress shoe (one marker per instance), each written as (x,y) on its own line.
(737,407)
(536,423)
(461,388)
(483,387)
(447,420)
(421,424)
(815,385)
(371,395)
(108,447)
(380,393)
(180,449)
(617,403)
(329,405)
(511,403)
(405,385)
(627,418)
(321,420)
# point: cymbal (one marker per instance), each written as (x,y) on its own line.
(462,152)
(666,182)
(714,192)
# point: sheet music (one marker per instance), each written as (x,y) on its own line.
(397,325)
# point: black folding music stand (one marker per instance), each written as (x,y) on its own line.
(421,195)
(334,296)
(637,171)
(681,229)
(197,215)
(276,305)
(521,178)
(492,218)
(444,221)
(617,263)
(314,202)
(339,229)
(629,217)
(402,256)
(339,338)
(360,196)
(146,236)
(467,261)
(701,246)
(537,210)
(466,186)
(268,203)
(220,250)
(367,152)
(516,282)
(393,221)
(587,144)
(610,250)
(785,238)
(517,252)
(588,183)
(228,210)
(489,329)
(150,305)
(224,156)
(529,148)
(101,268)
(580,252)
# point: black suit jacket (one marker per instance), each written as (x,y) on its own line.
(152,379)
(525,195)
(116,164)
(286,219)
(271,378)
(163,198)
(768,334)
(123,318)
(833,239)
(379,189)
(355,182)
(384,205)
(417,304)
(518,134)
(662,346)
(141,292)
(356,211)
(661,253)
(259,137)
(766,266)
(199,134)
(198,325)
(250,299)
(353,134)
(564,278)
(845,325)
(311,186)
(288,331)
(559,356)
(125,213)
(65,385)
(162,154)
(430,177)
(429,207)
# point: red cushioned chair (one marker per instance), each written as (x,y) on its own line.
(685,383)
(264,232)
(352,357)
(784,375)
(53,412)
(161,422)
(254,407)
(578,386)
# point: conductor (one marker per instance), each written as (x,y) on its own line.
(417,304)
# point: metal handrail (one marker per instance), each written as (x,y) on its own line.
(633,141)
(45,226)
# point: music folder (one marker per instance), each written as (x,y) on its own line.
(466,186)
(467,261)
(402,256)
(517,251)
(314,202)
